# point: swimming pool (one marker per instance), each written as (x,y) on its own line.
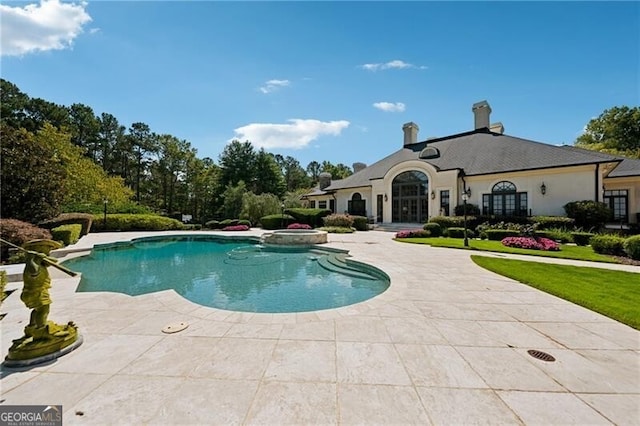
(230,273)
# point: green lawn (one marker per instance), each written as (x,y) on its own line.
(615,294)
(566,251)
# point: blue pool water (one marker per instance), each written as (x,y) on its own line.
(228,274)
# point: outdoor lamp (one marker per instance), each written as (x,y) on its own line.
(433,195)
(543,188)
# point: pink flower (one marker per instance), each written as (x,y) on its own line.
(236,228)
(531,243)
(299,226)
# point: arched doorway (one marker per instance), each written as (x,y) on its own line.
(410,201)
(357,206)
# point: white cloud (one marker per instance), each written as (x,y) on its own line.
(50,25)
(389,106)
(395,64)
(273,85)
(297,134)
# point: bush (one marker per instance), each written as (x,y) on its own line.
(472,210)
(276,221)
(256,206)
(19,232)
(311,217)
(531,243)
(588,214)
(434,229)
(339,220)
(556,234)
(236,228)
(67,234)
(632,247)
(414,233)
(192,227)
(337,230)
(448,221)
(3,285)
(456,232)
(245,222)
(582,238)
(549,222)
(361,223)
(299,226)
(228,222)
(212,224)
(500,234)
(136,222)
(84,219)
(608,244)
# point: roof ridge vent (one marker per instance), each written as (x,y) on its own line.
(497,127)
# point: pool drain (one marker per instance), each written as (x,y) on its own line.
(542,356)
(175,327)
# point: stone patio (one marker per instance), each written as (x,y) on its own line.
(445,344)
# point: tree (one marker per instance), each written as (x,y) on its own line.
(313,170)
(13,104)
(143,143)
(339,171)
(32,179)
(232,200)
(267,178)
(110,137)
(616,131)
(85,129)
(237,163)
(294,175)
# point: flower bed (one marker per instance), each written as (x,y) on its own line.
(531,243)
(236,228)
(299,226)
(415,233)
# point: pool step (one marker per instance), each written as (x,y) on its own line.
(330,263)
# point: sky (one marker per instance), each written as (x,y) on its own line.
(327,80)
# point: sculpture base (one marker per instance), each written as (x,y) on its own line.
(40,346)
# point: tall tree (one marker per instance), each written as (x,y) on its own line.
(237,163)
(338,171)
(40,111)
(110,137)
(85,129)
(267,178)
(13,104)
(313,171)
(615,131)
(143,143)
(294,175)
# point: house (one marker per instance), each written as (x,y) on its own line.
(503,175)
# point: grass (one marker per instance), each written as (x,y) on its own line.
(615,294)
(566,251)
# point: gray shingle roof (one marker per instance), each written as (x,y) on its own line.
(479,152)
(628,167)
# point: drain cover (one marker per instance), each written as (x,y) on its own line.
(175,327)
(543,356)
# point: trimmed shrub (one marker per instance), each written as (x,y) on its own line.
(531,243)
(556,234)
(339,220)
(549,222)
(245,222)
(455,232)
(19,232)
(608,244)
(337,230)
(448,221)
(192,227)
(588,214)
(361,223)
(413,233)
(276,221)
(212,224)
(500,234)
(582,238)
(3,285)
(472,210)
(311,217)
(136,222)
(236,228)
(434,229)
(83,219)
(229,222)
(299,226)
(67,234)
(632,247)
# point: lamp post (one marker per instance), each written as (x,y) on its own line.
(282,216)
(465,195)
(104,218)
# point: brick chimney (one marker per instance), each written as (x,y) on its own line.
(410,130)
(481,111)
(358,166)
(324,180)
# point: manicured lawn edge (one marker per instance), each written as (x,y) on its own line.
(615,294)
(566,251)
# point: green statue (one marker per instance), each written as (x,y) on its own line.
(41,337)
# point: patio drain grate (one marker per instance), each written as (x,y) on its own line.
(543,356)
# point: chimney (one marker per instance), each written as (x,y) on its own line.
(358,166)
(497,128)
(481,111)
(324,180)
(410,130)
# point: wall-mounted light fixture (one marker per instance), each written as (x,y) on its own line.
(386,198)
(543,188)
(433,195)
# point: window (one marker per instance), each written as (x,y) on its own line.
(504,200)
(444,203)
(409,202)
(618,201)
(312,204)
(322,204)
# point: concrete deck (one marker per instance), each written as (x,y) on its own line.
(445,344)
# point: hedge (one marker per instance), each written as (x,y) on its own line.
(582,238)
(361,223)
(500,234)
(19,232)
(276,221)
(312,217)
(67,234)
(434,228)
(632,247)
(136,222)
(548,222)
(455,232)
(608,244)
(339,220)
